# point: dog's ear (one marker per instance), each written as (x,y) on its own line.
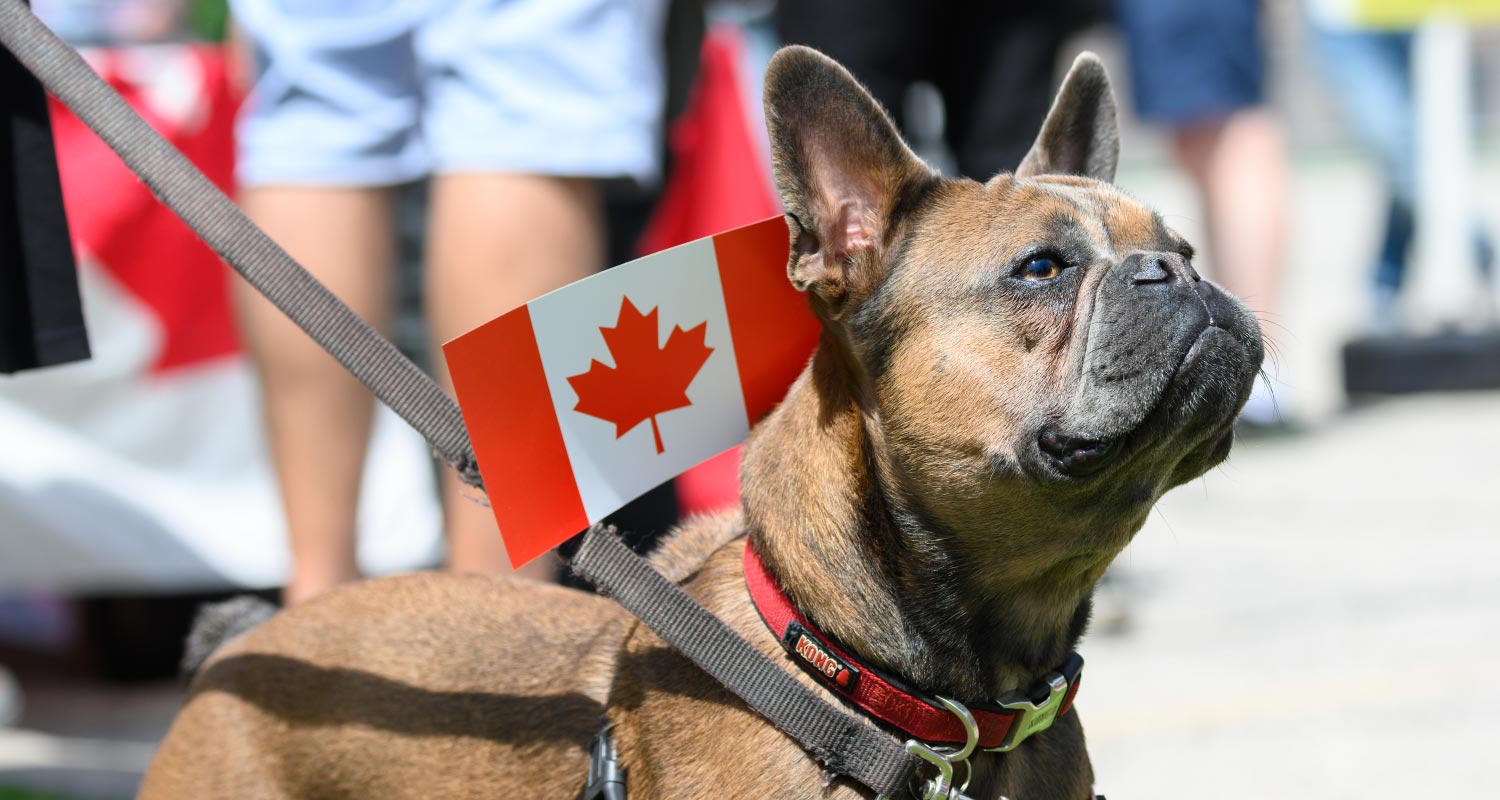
(842,170)
(1080,135)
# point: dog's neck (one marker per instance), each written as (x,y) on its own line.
(869,570)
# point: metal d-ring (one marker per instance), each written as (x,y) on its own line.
(971,728)
(942,787)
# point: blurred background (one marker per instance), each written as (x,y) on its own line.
(1316,618)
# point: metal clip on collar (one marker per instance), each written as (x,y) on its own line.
(941,786)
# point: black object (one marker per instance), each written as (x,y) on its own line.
(606,778)
(41,313)
(141,638)
(1448,361)
(993,63)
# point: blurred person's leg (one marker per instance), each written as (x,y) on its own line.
(527,103)
(330,125)
(317,415)
(1390,263)
(1239,166)
(496,241)
(1198,70)
(1370,73)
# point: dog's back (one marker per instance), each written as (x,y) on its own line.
(431,685)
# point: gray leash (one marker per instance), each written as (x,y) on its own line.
(377,364)
(844,743)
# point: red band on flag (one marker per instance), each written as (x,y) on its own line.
(517,439)
(773,332)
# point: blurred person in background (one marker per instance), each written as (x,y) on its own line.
(1371,74)
(1198,70)
(994,64)
(94,22)
(515,110)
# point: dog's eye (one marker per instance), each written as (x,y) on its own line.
(1039,269)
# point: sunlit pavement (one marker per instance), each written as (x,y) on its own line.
(85,741)
(1320,618)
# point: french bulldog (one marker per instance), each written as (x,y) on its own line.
(1010,374)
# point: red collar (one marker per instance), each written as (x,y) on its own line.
(1002,725)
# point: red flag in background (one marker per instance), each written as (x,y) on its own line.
(116,219)
(720,179)
(144,467)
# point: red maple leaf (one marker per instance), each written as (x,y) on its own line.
(645,380)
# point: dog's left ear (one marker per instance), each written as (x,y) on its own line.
(842,170)
(1080,135)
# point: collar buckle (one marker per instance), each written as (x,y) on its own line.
(1033,717)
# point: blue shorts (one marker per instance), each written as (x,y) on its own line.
(1193,60)
(379,92)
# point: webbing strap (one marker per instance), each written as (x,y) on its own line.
(372,359)
(842,742)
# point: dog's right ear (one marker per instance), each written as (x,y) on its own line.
(842,170)
(1080,135)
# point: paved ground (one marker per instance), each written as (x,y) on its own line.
(1318,619)
(85,741)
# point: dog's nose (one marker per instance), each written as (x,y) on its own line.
(1160,267)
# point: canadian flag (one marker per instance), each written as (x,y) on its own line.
(585,398)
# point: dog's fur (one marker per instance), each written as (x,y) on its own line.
(901,493)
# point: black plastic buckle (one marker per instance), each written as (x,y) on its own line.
(606,778)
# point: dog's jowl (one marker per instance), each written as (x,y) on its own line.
(1011,374)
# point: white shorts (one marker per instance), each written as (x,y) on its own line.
(379,92)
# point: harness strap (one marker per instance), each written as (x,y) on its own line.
(842,742)
(372,359)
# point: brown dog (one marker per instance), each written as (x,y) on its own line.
(1011,374)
